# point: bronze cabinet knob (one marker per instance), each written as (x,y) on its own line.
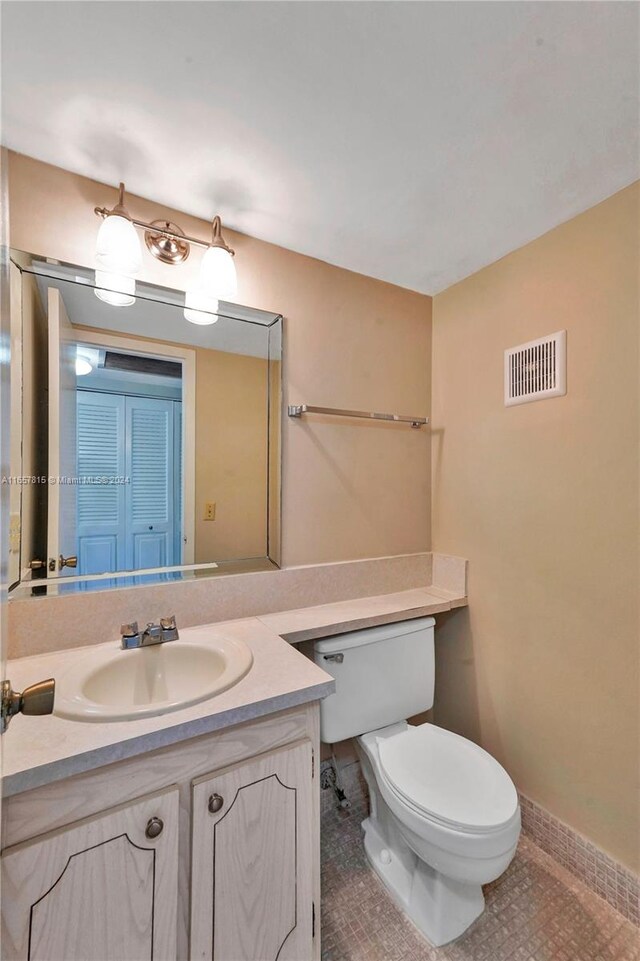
(154,828)
(215,803)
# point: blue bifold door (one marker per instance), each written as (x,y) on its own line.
(129,454)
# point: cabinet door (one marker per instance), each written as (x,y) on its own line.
(252,869)
(98,890)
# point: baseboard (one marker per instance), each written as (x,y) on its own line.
(619,886)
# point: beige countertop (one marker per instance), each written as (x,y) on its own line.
(38,750)
(328,620)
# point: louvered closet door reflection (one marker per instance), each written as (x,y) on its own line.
(100,506)
(149,494)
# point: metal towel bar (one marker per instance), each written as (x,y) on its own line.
(297,410)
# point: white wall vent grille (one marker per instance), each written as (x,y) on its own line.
(536,370)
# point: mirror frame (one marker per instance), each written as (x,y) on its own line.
(273,323)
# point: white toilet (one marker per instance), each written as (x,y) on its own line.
(444,817)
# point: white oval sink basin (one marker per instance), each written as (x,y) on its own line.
(110,684)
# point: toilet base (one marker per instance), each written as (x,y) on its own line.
(441,908)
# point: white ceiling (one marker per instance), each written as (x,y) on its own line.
(414,142)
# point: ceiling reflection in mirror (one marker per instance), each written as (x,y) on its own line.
(144,447)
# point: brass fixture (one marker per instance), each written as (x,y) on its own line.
(120,208)
(166,246)
(217,239)
(166,240)
(71,561)
(36,565)
(36,699)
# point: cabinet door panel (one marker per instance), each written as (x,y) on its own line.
(252,871)
(98,890)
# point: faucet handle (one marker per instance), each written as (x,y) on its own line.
(129,630)
(169,628)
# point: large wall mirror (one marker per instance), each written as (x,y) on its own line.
(144,447)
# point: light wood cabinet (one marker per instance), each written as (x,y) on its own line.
(234,875)
(100,889)
(252,867)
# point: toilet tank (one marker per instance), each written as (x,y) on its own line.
(383,675)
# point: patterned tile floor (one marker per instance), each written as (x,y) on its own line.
(537,911)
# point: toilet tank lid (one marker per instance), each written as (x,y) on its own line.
(371,635)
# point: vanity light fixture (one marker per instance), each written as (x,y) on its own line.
(82,366)
(115,289)
(86,360)
(217,280)
(118,256)
(118,260)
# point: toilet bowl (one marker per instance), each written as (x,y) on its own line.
(444,820)
(444,815)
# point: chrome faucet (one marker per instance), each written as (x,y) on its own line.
(131,636)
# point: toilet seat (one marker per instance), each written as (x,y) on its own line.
(447,779)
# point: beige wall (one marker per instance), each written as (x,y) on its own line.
(542,668)
(231,455)
(350,489)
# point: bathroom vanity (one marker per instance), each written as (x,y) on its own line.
(193,834)
(188,834)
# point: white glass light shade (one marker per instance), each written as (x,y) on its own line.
(87,359)
(217,281)
(200,307)
(118,246)
(82,366)
(115,289)
(218,274)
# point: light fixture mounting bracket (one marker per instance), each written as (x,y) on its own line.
(217,240)
(165,242)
